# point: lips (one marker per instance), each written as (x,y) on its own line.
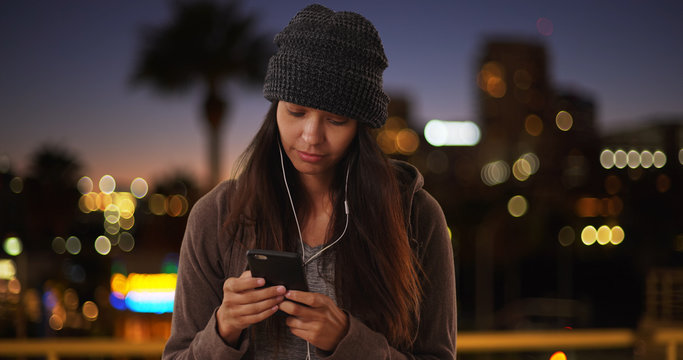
(309,157)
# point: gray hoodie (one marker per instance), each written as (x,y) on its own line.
(208,256)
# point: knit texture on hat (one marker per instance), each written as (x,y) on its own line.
(331,61)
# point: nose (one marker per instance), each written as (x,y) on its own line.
(313,131)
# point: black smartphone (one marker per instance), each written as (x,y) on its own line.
(278,268)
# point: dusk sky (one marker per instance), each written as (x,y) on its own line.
(65,68)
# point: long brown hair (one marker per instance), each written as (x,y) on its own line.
(376,271)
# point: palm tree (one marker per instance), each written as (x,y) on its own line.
(206,43)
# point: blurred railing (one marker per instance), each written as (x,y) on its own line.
(468,342)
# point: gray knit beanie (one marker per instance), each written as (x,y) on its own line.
(331,61)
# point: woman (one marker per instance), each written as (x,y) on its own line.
(378,258)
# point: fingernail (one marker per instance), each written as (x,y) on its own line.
(274,308)
(288,294)
(261,282)
(281,289)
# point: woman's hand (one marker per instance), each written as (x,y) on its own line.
(321,323)
(243,304)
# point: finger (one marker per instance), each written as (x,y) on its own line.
(249,319)
(246,274)
(242,283)
(257,307)
(300,311)
(254,296)
(307,298)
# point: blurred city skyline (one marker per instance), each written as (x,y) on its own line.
(67,67)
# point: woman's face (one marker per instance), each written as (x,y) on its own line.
(314,140)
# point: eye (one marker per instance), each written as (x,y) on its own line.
(337,122)
(296,113)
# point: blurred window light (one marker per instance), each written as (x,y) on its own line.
(139,187)
(607,159)
(533,125)
(659,159)
(495,173)
(73,245)
(84,185)
(646,159)
(517,206)
(16,185)
(633,159)
(589,235)
(8,269)
(564,120)
(107,184)
(102,245)
(13,246)
(620,159)
(14,286)
(604,235)
(566,236)
(59,245)
(617,235)
(452,133)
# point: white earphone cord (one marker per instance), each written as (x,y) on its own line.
(298,227)
(296,219)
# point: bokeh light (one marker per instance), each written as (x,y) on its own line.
(607,159)
(73,245)
(451,133)
(59,245)
(646,159)
(84,185)
(407,141)
(126,241)
(494,173)
(127,224)
(544,26)
(604,235)
(107,184)
(533,161)
(16,185)
(558,355)
(633,159)
(517,206)
(617,235)
(589,235)
(112,213)
(156,204)
(620,159)
(659,159)
(139,187)
(102,245)
(90,311)
(566,236)
(533,125)
(176,205)
(88,202)
(564,120)
(521,169)
(56,322)
(70,299)
(13,246)
(112,228)
(490,79)
(8,269)
(680,156)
